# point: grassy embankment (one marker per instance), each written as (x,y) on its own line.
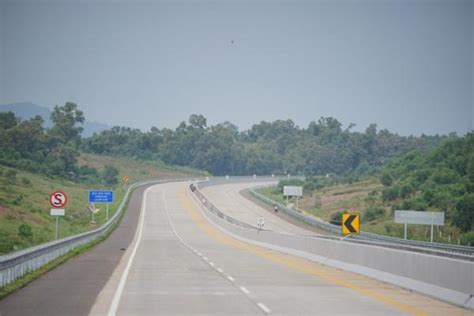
(358,197)
(24,200)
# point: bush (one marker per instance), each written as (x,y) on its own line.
(291,182)
(336,218)
(6,246)
(406,190)
(390,193)
(467,238)
(109,175)
(445,176)
(17,200)
(386,179)
(25,231)
(11,176)
(464,215)
(25,182)
(416,203)
(373,213)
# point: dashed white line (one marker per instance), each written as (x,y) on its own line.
(243,289)
(205,258)
(211,263)
(220,270)
(264,308)
(231,278)
(199,254)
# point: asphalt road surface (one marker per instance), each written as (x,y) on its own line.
(180,264)
(184,265)
(227,198)
(72,288)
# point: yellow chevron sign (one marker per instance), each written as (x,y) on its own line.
(350,224)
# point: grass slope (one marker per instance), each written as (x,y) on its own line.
(358,197)
(24,200)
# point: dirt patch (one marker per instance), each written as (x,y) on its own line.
(326,200)
(3,210)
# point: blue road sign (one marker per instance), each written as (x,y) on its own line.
(101,196)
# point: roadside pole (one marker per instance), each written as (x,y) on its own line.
(405,229)
(93,214)
(57,227)
(57,200)
(432,224)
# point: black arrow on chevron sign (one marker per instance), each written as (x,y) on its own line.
(348,223)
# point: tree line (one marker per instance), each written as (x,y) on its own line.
(441,180)
(28,145)
(277,147)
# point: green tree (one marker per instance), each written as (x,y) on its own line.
(386,179)
(464,217)
(65,118)
(109,175)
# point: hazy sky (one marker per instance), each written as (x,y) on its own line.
(405,65)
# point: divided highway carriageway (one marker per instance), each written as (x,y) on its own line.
(171,255)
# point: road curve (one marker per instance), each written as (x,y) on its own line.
(177,262)
(227,198)
(181,264)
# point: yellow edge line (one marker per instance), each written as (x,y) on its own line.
(287,260)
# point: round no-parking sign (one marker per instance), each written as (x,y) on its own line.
(58,199)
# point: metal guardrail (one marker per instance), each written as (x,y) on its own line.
(436,275)
(438,247)
(212,208)
(17,264)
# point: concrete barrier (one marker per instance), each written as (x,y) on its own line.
(447,279)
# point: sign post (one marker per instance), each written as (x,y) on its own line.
(292,191)
(101,196)
(57,200)
(260,222)
(56,212)
(420,218)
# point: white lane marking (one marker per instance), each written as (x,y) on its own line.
(264,308)
(243,289)
(211,263)
(118,292)
(205,258)
(199,254)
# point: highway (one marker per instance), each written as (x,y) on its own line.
(227,197)
(184,265)
(179,263)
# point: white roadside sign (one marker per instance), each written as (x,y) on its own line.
(292,191)
(420,218)
(57,212)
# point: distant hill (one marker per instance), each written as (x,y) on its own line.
(27,110)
